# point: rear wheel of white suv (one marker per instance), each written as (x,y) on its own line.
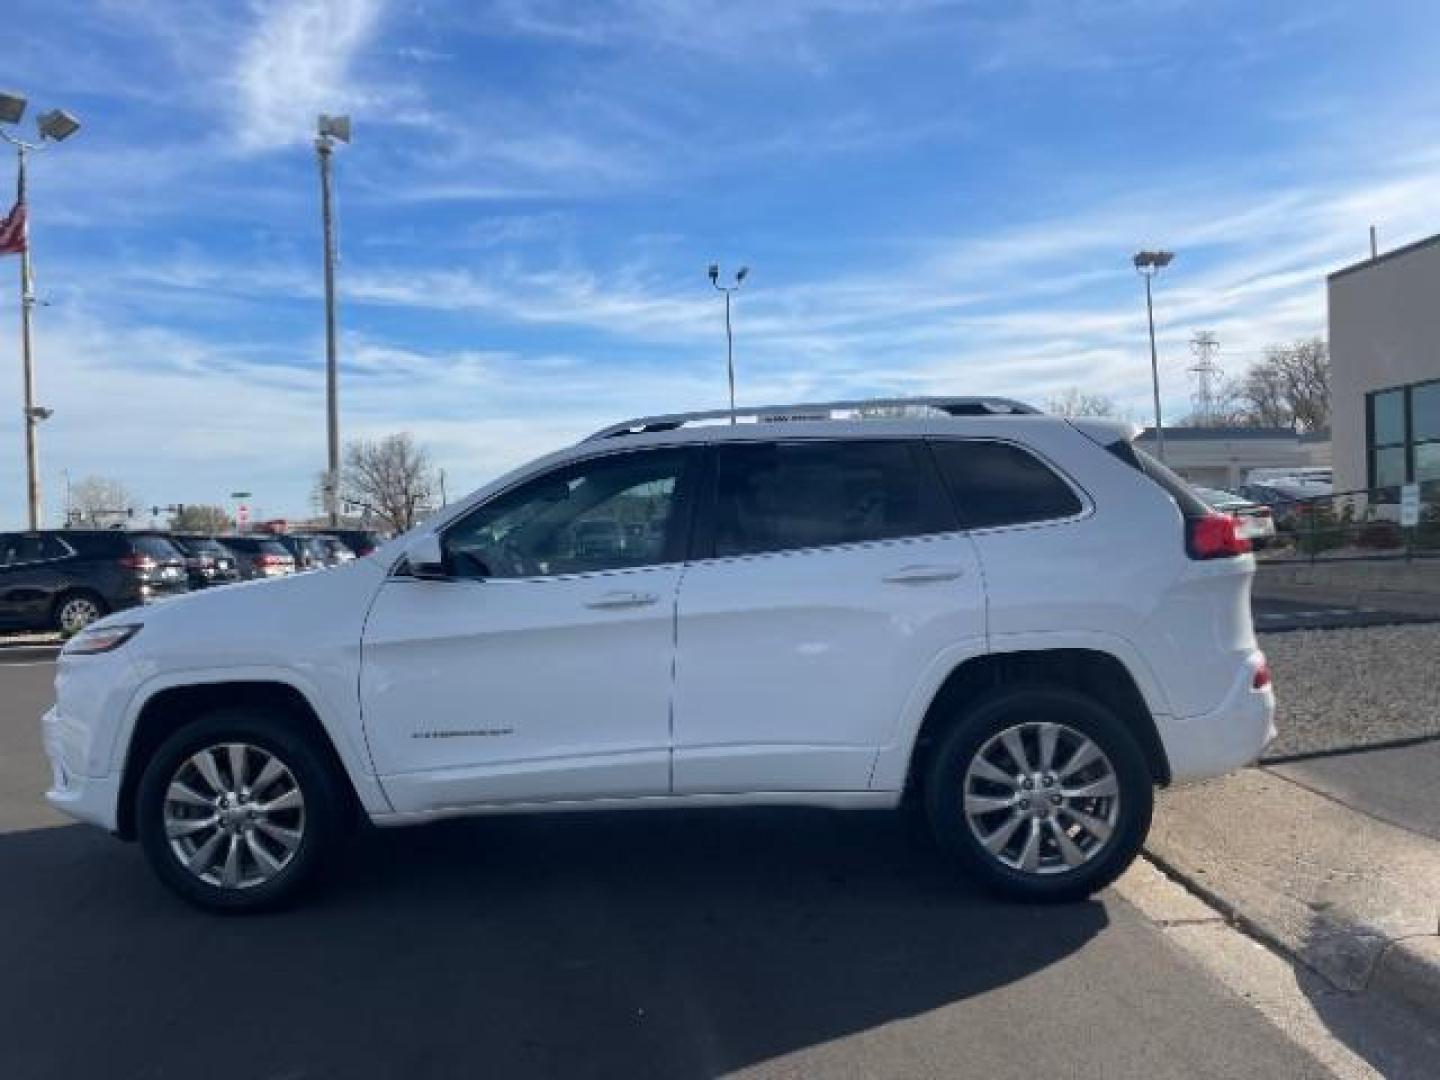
(238,810)
(1040,794)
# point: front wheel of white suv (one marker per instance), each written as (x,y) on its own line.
(1040,794)
(237,811)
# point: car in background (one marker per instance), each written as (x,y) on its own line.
(65,579)
(1255,522)
(207,561)
(258,557)
(360,541)
(336,550)
(309,552)
(1290,498)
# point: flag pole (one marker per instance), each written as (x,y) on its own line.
(27,304)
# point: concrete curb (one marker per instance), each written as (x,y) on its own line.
(1351,898)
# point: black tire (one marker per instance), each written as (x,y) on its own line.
(945,784)
(324,808)
(69,599)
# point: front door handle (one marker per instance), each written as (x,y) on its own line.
(612,600)
(911,575)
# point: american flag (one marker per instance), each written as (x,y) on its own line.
(12,231)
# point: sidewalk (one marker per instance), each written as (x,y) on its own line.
(1353,897)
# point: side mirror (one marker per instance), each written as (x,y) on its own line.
(425,558)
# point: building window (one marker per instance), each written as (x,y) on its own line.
(1403,435)
(1425,430)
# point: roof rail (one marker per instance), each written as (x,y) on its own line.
(819,410)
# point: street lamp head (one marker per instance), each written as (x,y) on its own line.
(334,127)
(714,273)
(12,107)
(1152,260)
(741,274)
(57,125)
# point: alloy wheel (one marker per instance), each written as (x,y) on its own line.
(234,815)
(77,613)
(1041,798)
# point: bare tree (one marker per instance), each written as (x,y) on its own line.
(100,500)
(390,479)
(1304,373)
(201,519)
(1075,402)
(1228,408)
(1289,388)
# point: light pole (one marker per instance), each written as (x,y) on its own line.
(729,335)
(54,126)
(1148,264)
(328,129)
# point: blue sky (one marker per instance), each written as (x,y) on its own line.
(933,197)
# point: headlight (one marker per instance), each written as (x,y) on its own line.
(100,639)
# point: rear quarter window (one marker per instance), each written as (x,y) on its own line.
(995,484)
(1191,505)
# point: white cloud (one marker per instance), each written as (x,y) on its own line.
(296,63)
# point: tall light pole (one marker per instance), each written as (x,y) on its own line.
(54,126)
(740,276)
(1148,264)
(329,129)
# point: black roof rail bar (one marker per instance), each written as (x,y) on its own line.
(951,406)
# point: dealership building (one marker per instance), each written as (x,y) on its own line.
(1385,369)
(1223,457)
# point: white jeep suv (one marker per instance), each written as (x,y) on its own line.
(1017,623)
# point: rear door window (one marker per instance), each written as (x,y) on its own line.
(787,496)
(34,549)
(995,484)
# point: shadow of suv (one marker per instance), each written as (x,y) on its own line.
(65,579)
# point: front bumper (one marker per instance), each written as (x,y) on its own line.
(1225,739)
(92,799)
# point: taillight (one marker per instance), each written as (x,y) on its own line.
(137,562)
(1214,536)
(1262,675)
(268,560)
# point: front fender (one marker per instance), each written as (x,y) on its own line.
(342,727)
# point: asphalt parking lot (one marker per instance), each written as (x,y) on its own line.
(621,945)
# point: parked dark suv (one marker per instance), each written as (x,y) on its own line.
(259,556)
(309,552)
(65,579)
(361,541)
(207,561)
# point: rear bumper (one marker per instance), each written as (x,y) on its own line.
(1225,739)
(91,799)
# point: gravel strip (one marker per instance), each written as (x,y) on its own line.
(1337,689)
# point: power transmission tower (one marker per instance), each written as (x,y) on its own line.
(1207,374)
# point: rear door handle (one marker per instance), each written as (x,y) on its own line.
(914,575)
(611,600)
